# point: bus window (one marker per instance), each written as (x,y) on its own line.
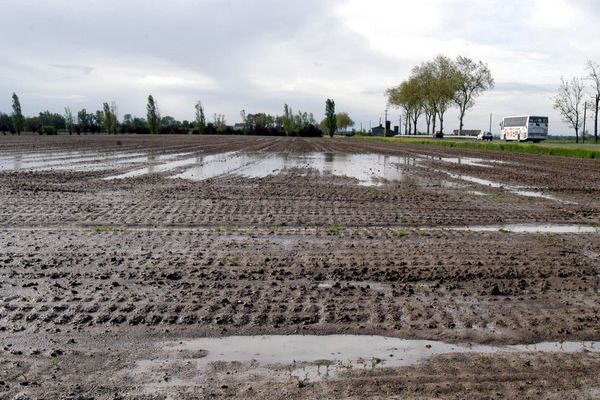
(515,122)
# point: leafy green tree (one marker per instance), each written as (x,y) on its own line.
(445,86)
(185,126)
(55,120)
(200,118)
(429,113)
(69,121)
(6,124)
(425,75)
(170,123)
(107,118)
(473,78)
(33,124)
(97,120)
(409,96)
(330,117)
(261,120)
(114,117)
(127,125)
(439,81)
(140,125)
(17,116)
(83,118)
(287,120)
(344,121)
(153,116)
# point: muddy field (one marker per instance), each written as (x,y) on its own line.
(113,250)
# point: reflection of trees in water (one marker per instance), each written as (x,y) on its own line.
(151,161)
(17,162)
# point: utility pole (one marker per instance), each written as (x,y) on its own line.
(596,118)
(584,118)
(490,123)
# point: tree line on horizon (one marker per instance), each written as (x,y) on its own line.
(107,121)
(431,89)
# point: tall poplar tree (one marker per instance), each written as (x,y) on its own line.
(153,116)
(17,116)
(200,118)
(330,117)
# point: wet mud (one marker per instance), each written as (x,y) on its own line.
(111,247)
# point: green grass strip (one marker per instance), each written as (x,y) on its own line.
(529,148)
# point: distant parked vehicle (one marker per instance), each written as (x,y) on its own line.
(485,136)
(524,128)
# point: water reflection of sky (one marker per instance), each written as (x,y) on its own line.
(368,169)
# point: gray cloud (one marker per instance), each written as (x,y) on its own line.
(81,69)
(235,54)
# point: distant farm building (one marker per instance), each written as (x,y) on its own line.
(378,131)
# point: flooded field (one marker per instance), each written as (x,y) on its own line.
(191,267)
(367,169)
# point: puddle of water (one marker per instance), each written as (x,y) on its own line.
(214,165)
(18,162)
(378,286)
(368,169)
(471,161)
(532,228)
(316,357)
(526,192)
(78,161)
(158,164)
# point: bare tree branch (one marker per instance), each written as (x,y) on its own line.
(568,102)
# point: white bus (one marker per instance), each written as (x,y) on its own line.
(524,128)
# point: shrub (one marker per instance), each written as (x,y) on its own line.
(48,130)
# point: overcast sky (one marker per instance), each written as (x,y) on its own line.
(259,54)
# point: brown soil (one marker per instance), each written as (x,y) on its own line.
(93,272)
